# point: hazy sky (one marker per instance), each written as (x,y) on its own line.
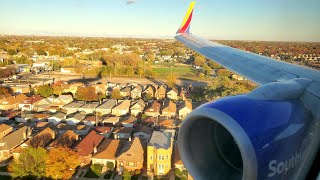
(289,20)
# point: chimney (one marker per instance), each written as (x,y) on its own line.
(29,132)
(24,135)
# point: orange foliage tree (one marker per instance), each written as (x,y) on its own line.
(61,163)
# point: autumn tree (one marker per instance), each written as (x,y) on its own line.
(31,163)
(5,90)
(61,163)
(223,73)
(116,94)
(87,94)
(199,61)
(45,90)
(171,80)
(57,89)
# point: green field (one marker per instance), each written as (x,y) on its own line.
(176,71)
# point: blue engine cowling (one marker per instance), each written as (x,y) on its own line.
(241,137)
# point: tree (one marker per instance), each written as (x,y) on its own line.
(110,165)
(57,89)
(87,94)
(171,80)
(126,175)
(12,52)
(223,73)
(5,90)
(31,163)
(61,163)
(214,65)
(199,61)
(207,69)
(116,94)
(45,90)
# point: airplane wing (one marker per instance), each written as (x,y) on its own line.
(279,81)
(257,68)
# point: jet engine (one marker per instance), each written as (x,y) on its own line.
(260,135)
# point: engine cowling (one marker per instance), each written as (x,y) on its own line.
(243,137)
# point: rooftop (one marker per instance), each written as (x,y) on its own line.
(160,139)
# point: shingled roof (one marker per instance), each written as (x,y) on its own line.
(109,149)
(134,153)
(88,143)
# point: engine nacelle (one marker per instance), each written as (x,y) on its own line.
(243,137)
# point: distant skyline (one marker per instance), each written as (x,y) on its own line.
(272,20)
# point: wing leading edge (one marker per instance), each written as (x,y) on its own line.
(257,68)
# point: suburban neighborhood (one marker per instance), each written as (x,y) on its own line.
(135,134)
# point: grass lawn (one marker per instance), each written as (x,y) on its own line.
(178,71)
(4,169)
(94,171)
(5,177)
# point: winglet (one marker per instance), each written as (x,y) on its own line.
(185,26)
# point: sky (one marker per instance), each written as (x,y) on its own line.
(271,20)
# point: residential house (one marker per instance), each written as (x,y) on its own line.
(150,121)
(8,115)
(82,129)
(136,92)
(27,104)
(52,104)
(24,117)
(184,109)
(12,140)
(75,118)
(137,107)
(57,118)
(131,157)
(41,139)
(39,117)
(40,126)
(167,124)
(153,109)
(86,147)
(106,107)
(143,132)
(169,109)
(111,120)
(128,121)
(126,91)
(184,93)
(159,152)
(12,102)
(122,108)
(89,108)
(4,130)
(73,107)
(91,120)
(105,131)
(122,133)
(177,162)
(107,151)
(160,92)
(65,99)
(172,93)
(67,139)
(149,90)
